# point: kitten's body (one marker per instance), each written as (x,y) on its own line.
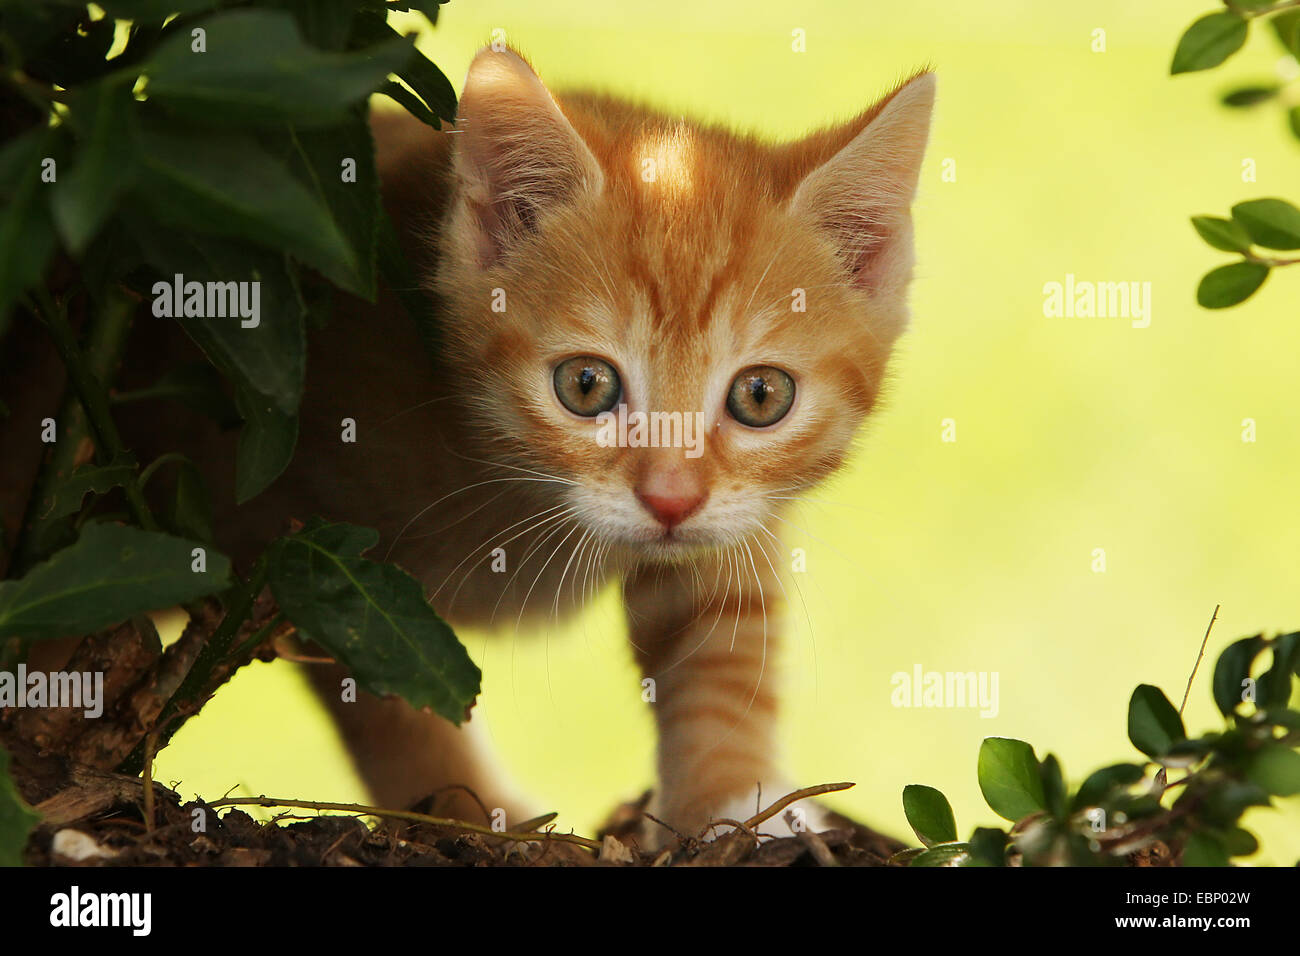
(680,282)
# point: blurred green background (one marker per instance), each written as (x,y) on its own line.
(1072,434)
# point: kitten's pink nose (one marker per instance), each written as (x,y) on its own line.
(671,497)
(670,511)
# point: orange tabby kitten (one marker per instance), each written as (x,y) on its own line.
(598,263)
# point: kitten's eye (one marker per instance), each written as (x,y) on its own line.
(587,385)
(760,396)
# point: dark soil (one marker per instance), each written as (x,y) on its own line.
(94,818)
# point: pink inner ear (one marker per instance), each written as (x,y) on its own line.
(861,237)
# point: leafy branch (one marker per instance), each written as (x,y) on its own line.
(1129,810)
(1273,224)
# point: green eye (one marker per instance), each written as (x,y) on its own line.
(760,396)
(587,385)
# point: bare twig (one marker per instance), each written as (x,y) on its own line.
(363,810)
(790,798)
(1213,617)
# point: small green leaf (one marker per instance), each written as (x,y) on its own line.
(88,479)
(1287,28)
(988,847)
(1100,783)
(1274,687)
(1293,120)
(191,509)
(1208,42)
(1239,842)
(1225,234)
(1272,223)
(948,854)
(110,573)
(1231,671)
(1009,778)
(1275,768)
(1153,724)
(1053,786)
(929,814)
(266,444)
(372,617)
(1249,96)
(16,818)
(1204,849)
(1229,285)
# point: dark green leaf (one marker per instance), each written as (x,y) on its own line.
(110,573)
(154,9)
(1276,769)
(1229,285)
(373,617)
(1053,786)
(929,814)
(905,856)
(88,479)
(317,158)
(191,509)
(1274,688)
(1293,119)
(1225,234)
(1153,724)
(16,818)
(105,164)
(1238,842)
(1287,28)
(1227,801)
(197,386)
(1204,849)
(1100,783)
(420,74)
(202,181)
(1009,778)
(26,232)
(1250,95)
(268,359)
(949,854)
(414,105)
(988,847)
(266,444)
(1232,670)
(1282,717)
(323,23)
(1208,42)
(1272,223)
(257,69)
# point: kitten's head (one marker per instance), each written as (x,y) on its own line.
(606,266)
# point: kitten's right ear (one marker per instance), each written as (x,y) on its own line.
(516,153)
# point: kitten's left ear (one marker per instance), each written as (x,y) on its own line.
(516,152)
(861,193)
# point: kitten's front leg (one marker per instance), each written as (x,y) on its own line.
(708,638)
